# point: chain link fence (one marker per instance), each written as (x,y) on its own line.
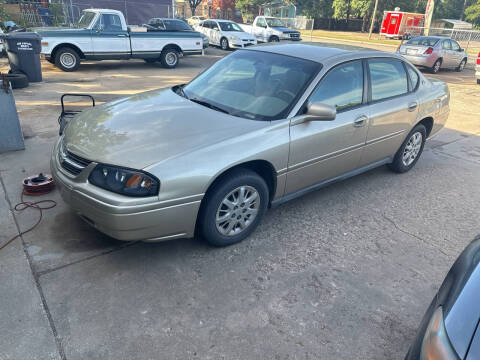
(67,12)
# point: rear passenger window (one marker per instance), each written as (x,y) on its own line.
(446,45)
(455,45)
(342,87)
(414,78)
(388,78)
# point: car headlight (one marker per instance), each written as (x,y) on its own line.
(436,344)
(124,181)
(234,38)
(285,36)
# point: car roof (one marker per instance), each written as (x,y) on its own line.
(319,52)
(222,20)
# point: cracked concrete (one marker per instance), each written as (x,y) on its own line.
(345,272)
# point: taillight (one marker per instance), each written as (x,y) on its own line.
(428,51)
(478,59)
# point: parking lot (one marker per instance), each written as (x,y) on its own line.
(345,272)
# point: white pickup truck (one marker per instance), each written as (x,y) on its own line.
(270,29)
(103,34)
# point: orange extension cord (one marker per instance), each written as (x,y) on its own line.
(34,186)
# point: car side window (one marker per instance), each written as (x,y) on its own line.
(414,78)
(214,25)
(342,87)
(261,22)
(446,45)
(388,78)
(109,22)
(455,45)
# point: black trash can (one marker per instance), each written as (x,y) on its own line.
(23,51)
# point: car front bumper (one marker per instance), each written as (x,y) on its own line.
(122,217)
(239,44)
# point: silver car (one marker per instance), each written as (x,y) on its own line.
(434,53)
(261,126)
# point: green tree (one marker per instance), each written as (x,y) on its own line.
(248,8)
(472,13)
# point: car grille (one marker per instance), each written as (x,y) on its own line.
(294,35)
(72,163)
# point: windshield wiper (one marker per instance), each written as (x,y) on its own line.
(207,104)
(179,91)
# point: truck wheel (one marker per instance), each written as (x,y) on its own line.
(169,58)
(224,44)
(273,39)
(67,59)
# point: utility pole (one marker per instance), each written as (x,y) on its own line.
(373,19)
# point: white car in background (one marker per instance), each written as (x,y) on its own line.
(225,33)
(195,20)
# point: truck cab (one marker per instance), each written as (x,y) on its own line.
(271,29)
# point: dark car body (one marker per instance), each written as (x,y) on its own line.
(459,300)
(167,24)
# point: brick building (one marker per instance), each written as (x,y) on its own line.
(218,9)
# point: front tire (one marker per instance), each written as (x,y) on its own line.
(273,39)
(224,44)
(410,151)
(234,208)
(67,59)
(436,66)
(169,58)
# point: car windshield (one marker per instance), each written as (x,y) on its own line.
(176,25)
(425,41)
(85,20)
(274,22)
(253,84)
(230,26)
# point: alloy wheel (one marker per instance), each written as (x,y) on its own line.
(224,44)
(237,210)
(412,148)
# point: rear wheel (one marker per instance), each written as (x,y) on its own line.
(67,59)
(436,66)
(410,151)
(169,58)
(224,44)
(461,66)
(234,208)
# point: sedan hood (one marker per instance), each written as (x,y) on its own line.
(149,128)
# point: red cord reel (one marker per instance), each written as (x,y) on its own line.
(38,184)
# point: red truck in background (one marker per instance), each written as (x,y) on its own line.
(401,25)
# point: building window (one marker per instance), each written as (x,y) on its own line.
(205,10)
(229,14)
(209,11)
(219,13)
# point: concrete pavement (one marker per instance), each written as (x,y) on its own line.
(345,272)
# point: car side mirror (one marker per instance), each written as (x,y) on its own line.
(316,111)
(460,50)
(321,112)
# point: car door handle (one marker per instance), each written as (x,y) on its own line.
(412,106)
(121,35)
(360,121)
